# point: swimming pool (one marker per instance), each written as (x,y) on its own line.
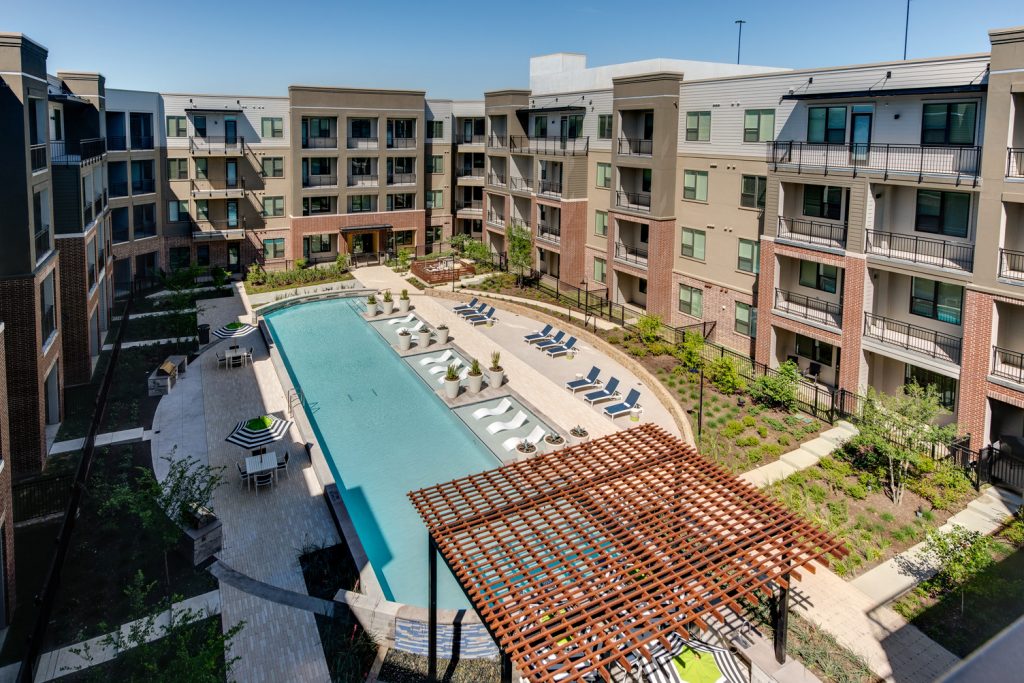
(383,433)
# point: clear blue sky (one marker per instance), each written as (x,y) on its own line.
(460,49)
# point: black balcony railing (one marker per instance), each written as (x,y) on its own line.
(1008,364)
(1015,162)
(401,143)
(117,143)
(319,142)
(812,232)
(632,255)
(1011,265)
(87,213)
(321,180)
(470,173)
(523,144)
(37,154)
(118,188)
(142,141)
(549,233)
(363,180)
(637,201)
(145,229)
(960,161)
(143,186)
(520,223)
(401,178)
(550,187)
(362,143)
(67,153)
(469,205)
(497,141)
(97,205)
(43,242)
(218,187)
(636,147)
(217,144)
(495,219)
(809,307)
(496,179)
(475,139)
(933,252)
(912,337)
(521,184)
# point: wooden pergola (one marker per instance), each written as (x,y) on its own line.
(587,557)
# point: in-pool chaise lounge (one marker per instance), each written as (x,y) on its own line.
(533,438)
(447,355)
(407,319)
(515,423)
(415,328)
(503,406)
(457,363)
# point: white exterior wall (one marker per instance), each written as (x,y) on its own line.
(249,119)
(595,102)
(440,110)
(138,101)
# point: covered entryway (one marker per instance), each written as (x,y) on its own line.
(366,244)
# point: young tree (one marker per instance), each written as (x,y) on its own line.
(520,250)
(778,389)
(648,328)
(961,554)
(458,242)
(690,352)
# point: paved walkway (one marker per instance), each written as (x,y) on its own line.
(806,455)
(108,439)
(554,308)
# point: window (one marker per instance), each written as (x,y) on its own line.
(943,213)
(202,168)
(698,126)
(745,319)
(435,199)
(600,269)
(273,247)
(119,224)
(398,202)
(695,185)
(177,211)
(361,128)
(540,127)
(604,126)
(691,301)
(819,276)
(199,123)
(752,190)
(694,243)
(315,205)
(604,175)
(177,169)
(144,220)
(601,223)
(826,124)
(41,223)
(203,255)
(316,128)
(817,351)
(272,127)
(318,244)
(435,129)
(273,206)
(273,167)
(176,127)
(435,164)
(316,166)
(749,258)
(948,124)
(361,166)
(758,125)
(202,209)
(179,257)
(47,305)
(360,203)
(823,202)
(937,300)
(641,285)
(574,125)
(946,386)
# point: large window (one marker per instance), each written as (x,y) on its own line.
(144,220)
(540,127)
(319,244)
(600,269)
(435,129)
(199,123)
(435,199)
(202,167)
(179,257)
(946,386)
(435,164)
(273,167)
(177,210)
(826,124)
(937,300)
(48,308)
(695,185)
(815,350)
(315,205)
(943,213)
(752,190)
(203,255)
(749,256)
(202,209)
(746,319)
(604,126)
(819,276)
(398,202)
(691,301)
(823,202)
(176,127)
(758,125)
(604,175)
(950,123)
(694,243)
(601,223)
(272,127)
(360,203)
(273,247)
(177,169)
(698,126)
(361,128)
(273,206)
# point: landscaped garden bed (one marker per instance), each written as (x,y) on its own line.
(259,281)
(190,299)
(170,326)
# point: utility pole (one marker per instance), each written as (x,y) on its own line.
(739,40)
(906,31)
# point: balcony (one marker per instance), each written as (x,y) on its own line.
(922,250)
(401,179)
(320,142)
(810,232)
(363,180)
(497,141)
(520,184)
(475,139)
(957,161)
(809,308)
(470,174)
(87,213)
(496,220)
(1008,364)
(523,223)
(145,229)
(634,256)
(141,142)
(143,186)
(634,201)
(117,143)
(401,143)
(1015,162)
(550,187)
(472,205)
(635,147)
(217,145)
(42,242)
(65,153)
(362,143)
(523,144)
(118,188)
(496,179)
(38,157)
(223,229)
(549,233)
(1011,265)
(322,180)
(912,338)
(219,188)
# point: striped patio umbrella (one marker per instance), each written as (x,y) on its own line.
(232,330)
(662,669)
(258,431)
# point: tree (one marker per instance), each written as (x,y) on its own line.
(476,250)
(648,328)
(961,554)
(724,374)
(458,242)
(778,389)
(520,250)
(181,301)
(690,352)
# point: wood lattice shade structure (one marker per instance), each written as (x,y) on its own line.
(581,558)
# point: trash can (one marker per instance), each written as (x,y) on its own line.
(204,334)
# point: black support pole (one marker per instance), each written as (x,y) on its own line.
(781,622)
(506,668)
(432,619)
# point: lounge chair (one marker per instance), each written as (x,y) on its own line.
(556,351)
(624,407)
(473,311)
(553,341)
(444,357)
(588,382)
(515,423)
(414,329)
(538,336)
(603,394)
(533,438)
(467,307)
(482,318)
(282,463)
(462,375)
(433,371)
(503,406)
(407,319)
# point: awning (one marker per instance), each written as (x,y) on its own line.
(549,110)
(366,228)
(233,109)
(893,92)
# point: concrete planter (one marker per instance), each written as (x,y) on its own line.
(451,389)
(204,542)
(476,383)
(495,378)
(403,305)
(404,342)
(387,306)
(442,335)
(423,338)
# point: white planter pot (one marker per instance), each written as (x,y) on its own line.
(388,307)
(451,389)
(495,377)
(371,309)
(403,305)
(475,383)
(442,335)
(404,342)
(423,338)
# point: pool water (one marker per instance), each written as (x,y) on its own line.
(384,433)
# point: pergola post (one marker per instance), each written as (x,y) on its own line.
(506,668)
(781,624)
(432,609)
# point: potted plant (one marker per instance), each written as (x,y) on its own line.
(403,301)
(371,305)
(442,334)
(525,446)
(451,382)
(495,373)
(555,439)
(404,339)
(388,303)
(476,377)
(423,337)
(579,432)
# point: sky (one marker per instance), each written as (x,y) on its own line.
(460,49)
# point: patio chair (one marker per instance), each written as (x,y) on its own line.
(588,382)
(553,341)
(482,318)
(515,423)
(263,479)
(556,351)
(222,360)
(539,335)
(242,474)
(443,358)
(473,311)
(248,356)
(467,307)
(503,406)
(533,438)
(282,463)
(407,319)
(621,408)
(608,392)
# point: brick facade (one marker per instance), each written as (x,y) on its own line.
(75,310)
(573,229)
(6,503)
(719,307)
(975,359)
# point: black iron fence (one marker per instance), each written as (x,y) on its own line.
(959,161)
(812,232)
(1015,162)
(1008,364)
(523,144)
(911,337)
(41,496)
(636,147)
(1000,467)
(934,252)
(1011,264)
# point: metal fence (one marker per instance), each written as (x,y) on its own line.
(40,496)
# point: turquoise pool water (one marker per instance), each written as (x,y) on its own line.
(383,433)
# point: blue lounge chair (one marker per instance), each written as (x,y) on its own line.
(465,313)
(467,307)
(625,406)
(608,392)
(556,351)
(481,318)
(554,341)
(538,336)
(588,382)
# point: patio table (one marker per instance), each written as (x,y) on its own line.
(258,464)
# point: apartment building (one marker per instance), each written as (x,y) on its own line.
(7,585)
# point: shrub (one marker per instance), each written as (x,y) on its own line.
(660,348)
(778,389)
(745,441)
(777,425)
(733,428)
(817,493)
(771,450)
(341,262)
(689,353)
(725,376)
(762,431)
(648,328)
(300,263)
(749,421)
(614,339)
(784,440)
(1014,530)
(856,491)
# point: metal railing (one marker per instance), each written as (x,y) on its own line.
(141,141)
(633,255)
(216,144)
(469,205)
(637,147)
(87,213)
(809,307)
(497,141)
(119,233)
(912,337)
(1008,364)
(812,232)
(523,223)
(118,188)
(205,187)
(637,201)
(475,139)
(362,143)
(1011,264)
(117,143)
(520,184)
(549,233)
(469,172)
(37,156)
(320,142)
(401,143)
(550,187)
(42,241)
(143,186)
(524,144)
(960,161)
(145,229)
(321,180)
(497,220)
(497,179)
(40,496)
(401,178)
(1015,162)
(364,180)
(942,253)
(66,153)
